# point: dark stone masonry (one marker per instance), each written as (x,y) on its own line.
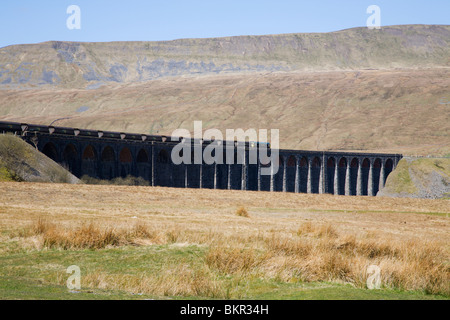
(107,155)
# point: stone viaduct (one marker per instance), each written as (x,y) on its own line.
(107,155)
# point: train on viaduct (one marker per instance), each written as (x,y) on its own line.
(107,155)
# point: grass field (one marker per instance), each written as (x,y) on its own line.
(162,243)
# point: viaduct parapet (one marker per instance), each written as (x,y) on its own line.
(107,155)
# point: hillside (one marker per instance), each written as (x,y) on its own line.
(356,90)
(386,111)
(89,65)
(419,178)
(19,161)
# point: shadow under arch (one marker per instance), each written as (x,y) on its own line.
(163,169)
(51,151)
(125,162)
(376,172)
(291,168)
(354,164)
(108,160)
(70,159)
(303,175)
(279,176)
(388,167)
(315,174)
(89,162)
(330,175)
(144,168)
(365,169)
(342,176)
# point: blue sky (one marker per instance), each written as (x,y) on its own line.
(31,21)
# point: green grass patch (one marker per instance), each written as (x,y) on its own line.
(423,167)
(41,274)
(17,288)
(400,181)
(7,175)
(329,291)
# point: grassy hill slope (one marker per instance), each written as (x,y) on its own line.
(419,178)
(19,161)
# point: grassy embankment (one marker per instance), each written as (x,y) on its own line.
(422,177)
(19,161)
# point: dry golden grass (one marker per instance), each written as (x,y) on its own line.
(92,236)
(242,212)
(288,237)
(323,230)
